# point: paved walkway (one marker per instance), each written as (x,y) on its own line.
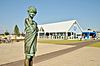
(52,55)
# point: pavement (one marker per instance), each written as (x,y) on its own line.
(76,54)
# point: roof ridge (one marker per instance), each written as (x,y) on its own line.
(59,22)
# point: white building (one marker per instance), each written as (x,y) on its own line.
(60,30)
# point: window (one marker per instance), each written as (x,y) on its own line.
(69,33)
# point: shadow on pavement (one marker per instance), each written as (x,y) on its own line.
(48,56)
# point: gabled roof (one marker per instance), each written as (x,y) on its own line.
(63,26)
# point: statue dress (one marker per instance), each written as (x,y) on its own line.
(30,37)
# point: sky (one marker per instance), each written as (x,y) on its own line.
(14,12)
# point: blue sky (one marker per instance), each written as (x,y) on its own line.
(86,12)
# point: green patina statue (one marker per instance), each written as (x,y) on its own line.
(31,30)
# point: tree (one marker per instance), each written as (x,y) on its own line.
(16,30)
(6,33)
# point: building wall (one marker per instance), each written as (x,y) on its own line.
(52,35)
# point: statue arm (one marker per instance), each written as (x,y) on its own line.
(27,24)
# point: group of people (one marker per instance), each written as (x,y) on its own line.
(5,40)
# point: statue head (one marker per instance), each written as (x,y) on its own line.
(32,11)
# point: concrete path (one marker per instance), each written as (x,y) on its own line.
(52,55)
(11,52)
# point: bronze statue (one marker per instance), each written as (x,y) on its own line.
(31,30)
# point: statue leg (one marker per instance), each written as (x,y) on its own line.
(31,61)
(28,61)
